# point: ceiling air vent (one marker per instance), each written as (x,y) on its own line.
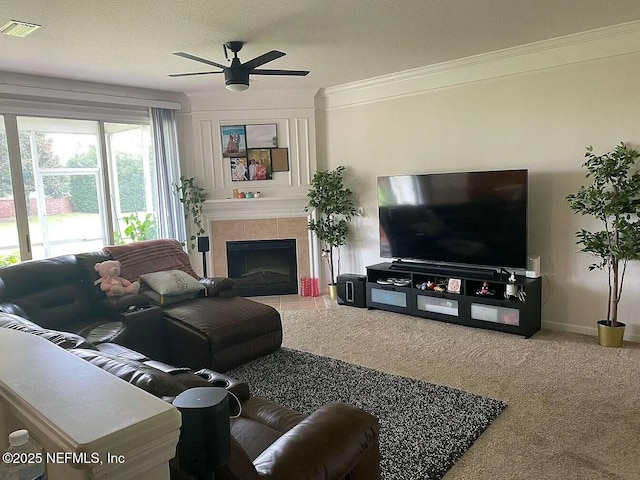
(16,28)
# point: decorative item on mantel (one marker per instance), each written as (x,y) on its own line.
(239,194)
(612,198)
(333,203)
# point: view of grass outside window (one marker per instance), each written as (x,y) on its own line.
(66,186)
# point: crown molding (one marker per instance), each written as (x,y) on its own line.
(51,89)
(580,47)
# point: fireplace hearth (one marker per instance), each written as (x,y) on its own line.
(263,267)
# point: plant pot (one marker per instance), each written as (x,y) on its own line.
(609,336)
(333,292)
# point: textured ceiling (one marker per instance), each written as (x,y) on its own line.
(130,43)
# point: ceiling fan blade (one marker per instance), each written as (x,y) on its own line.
(262,59)
(191,74)
(266,71)
(198,59)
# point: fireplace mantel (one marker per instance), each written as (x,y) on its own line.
(255,208)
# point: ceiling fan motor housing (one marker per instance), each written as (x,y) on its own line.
(235,79)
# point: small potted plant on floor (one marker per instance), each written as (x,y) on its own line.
(334,209)
(613,197)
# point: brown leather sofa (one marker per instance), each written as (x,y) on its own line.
(336,442)
(215,329)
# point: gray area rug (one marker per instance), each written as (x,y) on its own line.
(424,428)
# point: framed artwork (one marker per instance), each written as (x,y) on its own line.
(234,141)
(454,285)
(259,163)
(280,159)
(239,170)
(262,136)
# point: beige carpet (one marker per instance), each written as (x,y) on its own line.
(574,407)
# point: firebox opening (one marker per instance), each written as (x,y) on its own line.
(263,267)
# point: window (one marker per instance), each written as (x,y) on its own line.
(86,184)
(132,167)
(9,245)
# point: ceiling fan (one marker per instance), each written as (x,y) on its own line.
(236,75)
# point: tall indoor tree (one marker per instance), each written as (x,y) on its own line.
(613,197)
(334,206)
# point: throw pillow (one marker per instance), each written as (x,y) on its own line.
(171,286)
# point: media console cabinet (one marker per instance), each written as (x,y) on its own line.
(473,305)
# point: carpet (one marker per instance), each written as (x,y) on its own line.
(424,428)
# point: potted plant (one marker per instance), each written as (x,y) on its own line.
(192,197)
(333,204)
(613,197)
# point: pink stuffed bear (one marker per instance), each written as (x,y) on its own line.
(110,281)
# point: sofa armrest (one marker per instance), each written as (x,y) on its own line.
(12,308)
(238,388)
(219,286)
(326,445)
(124,303)
(272,415)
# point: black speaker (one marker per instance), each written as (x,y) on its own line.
(352,290)
(205,438)
(203,244)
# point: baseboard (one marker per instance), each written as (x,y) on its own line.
(631,333)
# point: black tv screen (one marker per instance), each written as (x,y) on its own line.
(471,218)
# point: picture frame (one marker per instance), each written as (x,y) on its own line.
(239,170)
(234,141)
(454,285)
(259,164)
(262,135)
(280,159)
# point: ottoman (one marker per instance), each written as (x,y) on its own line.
(220,333)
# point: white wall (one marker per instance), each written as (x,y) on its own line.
(201,148)
(493,117)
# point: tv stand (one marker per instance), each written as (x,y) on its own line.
(481,298)
(444,270)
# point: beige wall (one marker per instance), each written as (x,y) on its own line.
(540,120)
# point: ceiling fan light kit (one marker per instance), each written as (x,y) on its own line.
(236,75)
(236,80)
(236,87)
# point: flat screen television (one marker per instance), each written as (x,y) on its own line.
(469,218)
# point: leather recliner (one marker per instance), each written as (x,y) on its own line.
(218,331)
(269,442)
(54,293)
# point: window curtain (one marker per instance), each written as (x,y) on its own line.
(165,143)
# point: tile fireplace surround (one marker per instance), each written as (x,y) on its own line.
(264,218)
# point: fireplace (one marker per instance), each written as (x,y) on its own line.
(265,218)
(263,267)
